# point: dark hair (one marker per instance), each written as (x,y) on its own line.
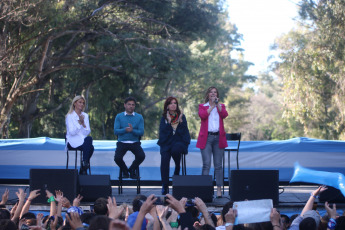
(167,103)
(5,214)
(86,217)
(130,99)
(100,206)
(307,224)
(28,215)
(207,227)
(7,225)
(137,202)
(226,209)
(99,222)
(208,91)
(340,222)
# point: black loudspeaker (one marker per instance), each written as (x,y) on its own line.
(254,185)
(92,187)
(332,195)
(191,186)
(53,179)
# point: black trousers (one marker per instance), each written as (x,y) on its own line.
(175,152)
(122,149)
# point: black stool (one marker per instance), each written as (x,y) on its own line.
(76,158)
(137,171)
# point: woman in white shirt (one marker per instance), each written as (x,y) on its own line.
(78,129)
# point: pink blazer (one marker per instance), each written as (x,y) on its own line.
(203,133)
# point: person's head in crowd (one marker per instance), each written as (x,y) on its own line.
(308,223)
(293,217)
(285,221)
(226,209)
(86,218)
(30,218)
(340,223)
(100,206)
(49,219)
(6,224)
(99,222)
(194,211)
(137,202)
(5,214)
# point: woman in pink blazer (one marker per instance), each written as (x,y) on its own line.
(212,139)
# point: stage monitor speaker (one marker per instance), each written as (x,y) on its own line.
(191,186)
(94,186)
(53,179)
(254,185)
(332,195)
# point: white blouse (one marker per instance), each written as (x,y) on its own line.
(76,133)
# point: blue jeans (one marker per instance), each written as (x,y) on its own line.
(86,147)
(212,148)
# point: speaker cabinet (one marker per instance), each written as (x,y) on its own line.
(254,185)
(53,179)
(332,195)
(92,187)
(191,186)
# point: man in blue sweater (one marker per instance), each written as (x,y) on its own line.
(129,127)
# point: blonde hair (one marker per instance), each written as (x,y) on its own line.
(76,98)
(208,91)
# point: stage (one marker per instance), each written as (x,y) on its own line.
(18,156)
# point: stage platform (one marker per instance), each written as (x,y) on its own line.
(292,198)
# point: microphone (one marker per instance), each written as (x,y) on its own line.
(216,101)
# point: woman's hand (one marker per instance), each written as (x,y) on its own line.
(180,117)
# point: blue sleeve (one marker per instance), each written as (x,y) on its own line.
(140,130)
(117,126)
(165,132)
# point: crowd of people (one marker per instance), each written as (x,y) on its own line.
(153,212)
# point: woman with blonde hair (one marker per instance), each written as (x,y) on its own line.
(78,129)
(212,138)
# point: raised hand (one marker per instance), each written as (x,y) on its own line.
(113,211)
(74,220)
(21,194)
(4,198)
(33,194)
(76,201)
(58,196)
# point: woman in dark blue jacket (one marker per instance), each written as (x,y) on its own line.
(174,139)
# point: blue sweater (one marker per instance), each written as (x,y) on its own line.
(121,123)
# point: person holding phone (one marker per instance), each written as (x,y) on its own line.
(212,138)
(174,139)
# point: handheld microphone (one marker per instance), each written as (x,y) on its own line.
(216,101)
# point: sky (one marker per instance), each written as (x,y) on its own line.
(260,22)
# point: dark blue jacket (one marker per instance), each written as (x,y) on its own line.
(167,139)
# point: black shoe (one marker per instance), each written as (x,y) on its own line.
(165,189)
(125,174)
(177,171)
(133,174)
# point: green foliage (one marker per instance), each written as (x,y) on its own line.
(109,50)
